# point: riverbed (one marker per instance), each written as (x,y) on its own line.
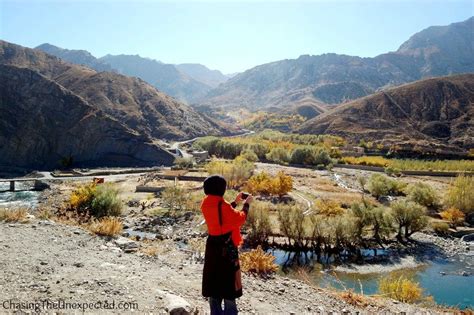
(450,281)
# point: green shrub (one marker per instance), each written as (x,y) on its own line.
(249,155)
(422,194)
(106,202)
(461,194)
(441,228)
(310,155)
(381,185)
(236,172)
(96,200)
(174,198)
(409,216)
(278,155)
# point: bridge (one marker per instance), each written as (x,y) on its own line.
(37,184)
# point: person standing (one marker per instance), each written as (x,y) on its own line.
(221,281)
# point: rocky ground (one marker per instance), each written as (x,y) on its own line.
(45,260)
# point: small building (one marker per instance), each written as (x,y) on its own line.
(200,156)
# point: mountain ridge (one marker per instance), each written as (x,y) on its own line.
(334,79)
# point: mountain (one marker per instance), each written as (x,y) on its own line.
(139,108)
(436,114)
(202,74)
(79,57)
(165,77)
(43,123)
(334,79)
(130,100)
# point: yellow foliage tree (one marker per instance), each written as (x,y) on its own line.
(262,183)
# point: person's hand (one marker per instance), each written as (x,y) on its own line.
(249,199)
(238,199)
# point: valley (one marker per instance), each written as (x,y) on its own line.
(361,171)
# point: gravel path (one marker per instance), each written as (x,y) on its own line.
(42,260)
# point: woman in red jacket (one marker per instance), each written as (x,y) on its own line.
(221,276)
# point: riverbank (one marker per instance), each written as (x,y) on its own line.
(44,260)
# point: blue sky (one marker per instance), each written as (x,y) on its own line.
(224,35)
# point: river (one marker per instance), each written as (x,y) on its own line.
(440,278)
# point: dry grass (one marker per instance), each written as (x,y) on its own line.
(108,226)
(355,299)
(401,289)
(14,215)
(45,214)
(257,261)
(151,251)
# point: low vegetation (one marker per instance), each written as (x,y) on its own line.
(381,185)
(440,228)
(276,147)
(96,200)
(236,172)
(455,217)
(258,224)
(423,194)
(106,226)
(411,164)
(264,184)
(401,289)
(257,261)
(460,194)
(409,217)
(174,198)
(13,215)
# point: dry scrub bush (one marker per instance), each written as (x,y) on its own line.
(258,224)
(409,217)
(13,215)
(184,163)
(461,194)
(106,226)
(44,214)
(440,228)
(328,207)
(257,261)
(174,198)
(262,183)
(377,219)
(96,200)
(454,216)
(292,223)
(150,251)
(236,172)
(401,289)
(422,194)
(381,185)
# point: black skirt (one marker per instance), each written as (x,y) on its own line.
(221,276)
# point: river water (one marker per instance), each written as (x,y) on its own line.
(17,199)
(440,278)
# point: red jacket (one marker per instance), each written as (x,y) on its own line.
(232,219)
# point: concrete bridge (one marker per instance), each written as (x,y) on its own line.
(37,184)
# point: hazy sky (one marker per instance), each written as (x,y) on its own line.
(224,35)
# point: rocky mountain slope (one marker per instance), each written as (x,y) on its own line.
(79,57)
(333,79)
(165,77)
(42,123)
(436,113)
(130,100)
(185,82)
(202,74)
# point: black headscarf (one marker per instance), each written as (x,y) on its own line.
(215,185)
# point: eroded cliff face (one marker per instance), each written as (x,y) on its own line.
(42,123)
